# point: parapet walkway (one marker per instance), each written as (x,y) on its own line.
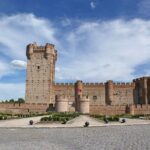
(76,122)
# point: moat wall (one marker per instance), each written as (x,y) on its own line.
(23,107)
(26,108)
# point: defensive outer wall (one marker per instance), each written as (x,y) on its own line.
(43,94)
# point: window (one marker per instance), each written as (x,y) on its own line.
(38,67)
(94,97)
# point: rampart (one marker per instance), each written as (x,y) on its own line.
(23,107)
(140,109)
(108,110)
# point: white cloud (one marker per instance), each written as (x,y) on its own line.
(57,69)
(19,64)
(12,90)
(92,4)
(5,68)
(93,51)
(16,32)
(19,30)
(99,51)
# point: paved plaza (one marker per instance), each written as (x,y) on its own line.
(135,137)
(76,122)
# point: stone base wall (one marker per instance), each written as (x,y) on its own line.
(23,108)
(139,109)
(94,109)
(107,110)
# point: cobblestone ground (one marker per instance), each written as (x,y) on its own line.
(95,138)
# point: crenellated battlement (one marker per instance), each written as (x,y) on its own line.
(64,84)
(124,84)
(61,97)
(97,84)
(141,79)
(36,47)
(47,49)
(93,84)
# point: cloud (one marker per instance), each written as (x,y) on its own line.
(102,50)
(19,30)
(16,32)
(93,51)
(92,4)
(12,90)
(5,68)
(19,64)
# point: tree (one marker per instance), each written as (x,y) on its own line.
(20,100)
(11,101)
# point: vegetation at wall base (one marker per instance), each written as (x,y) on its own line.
(60,117)
(4,116)
(116,117)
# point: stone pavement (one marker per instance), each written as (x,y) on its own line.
(94,138)
(76,122)
(23,122)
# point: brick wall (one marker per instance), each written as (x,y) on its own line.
(23,108)
(107,110)
(139,109)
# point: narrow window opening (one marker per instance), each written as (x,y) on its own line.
(94,97)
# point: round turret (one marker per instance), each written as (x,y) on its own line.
(61,103)
(29,50)
(50,51)
(84,105)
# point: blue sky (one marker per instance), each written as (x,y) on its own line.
(97,40)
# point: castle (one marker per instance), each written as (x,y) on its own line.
(43,94)
(79,96)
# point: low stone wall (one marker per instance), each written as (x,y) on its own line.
(108,110)
(139,109)
(23,108)
(94,109)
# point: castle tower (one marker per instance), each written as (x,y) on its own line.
(141,90)
(109,92)
(40,73)
(78,93)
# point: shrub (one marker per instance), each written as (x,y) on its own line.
(45,119)
(64,121)
(113,118)
(63,116)
(1,117)
(4,117)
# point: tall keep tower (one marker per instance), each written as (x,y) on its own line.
(40,73)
